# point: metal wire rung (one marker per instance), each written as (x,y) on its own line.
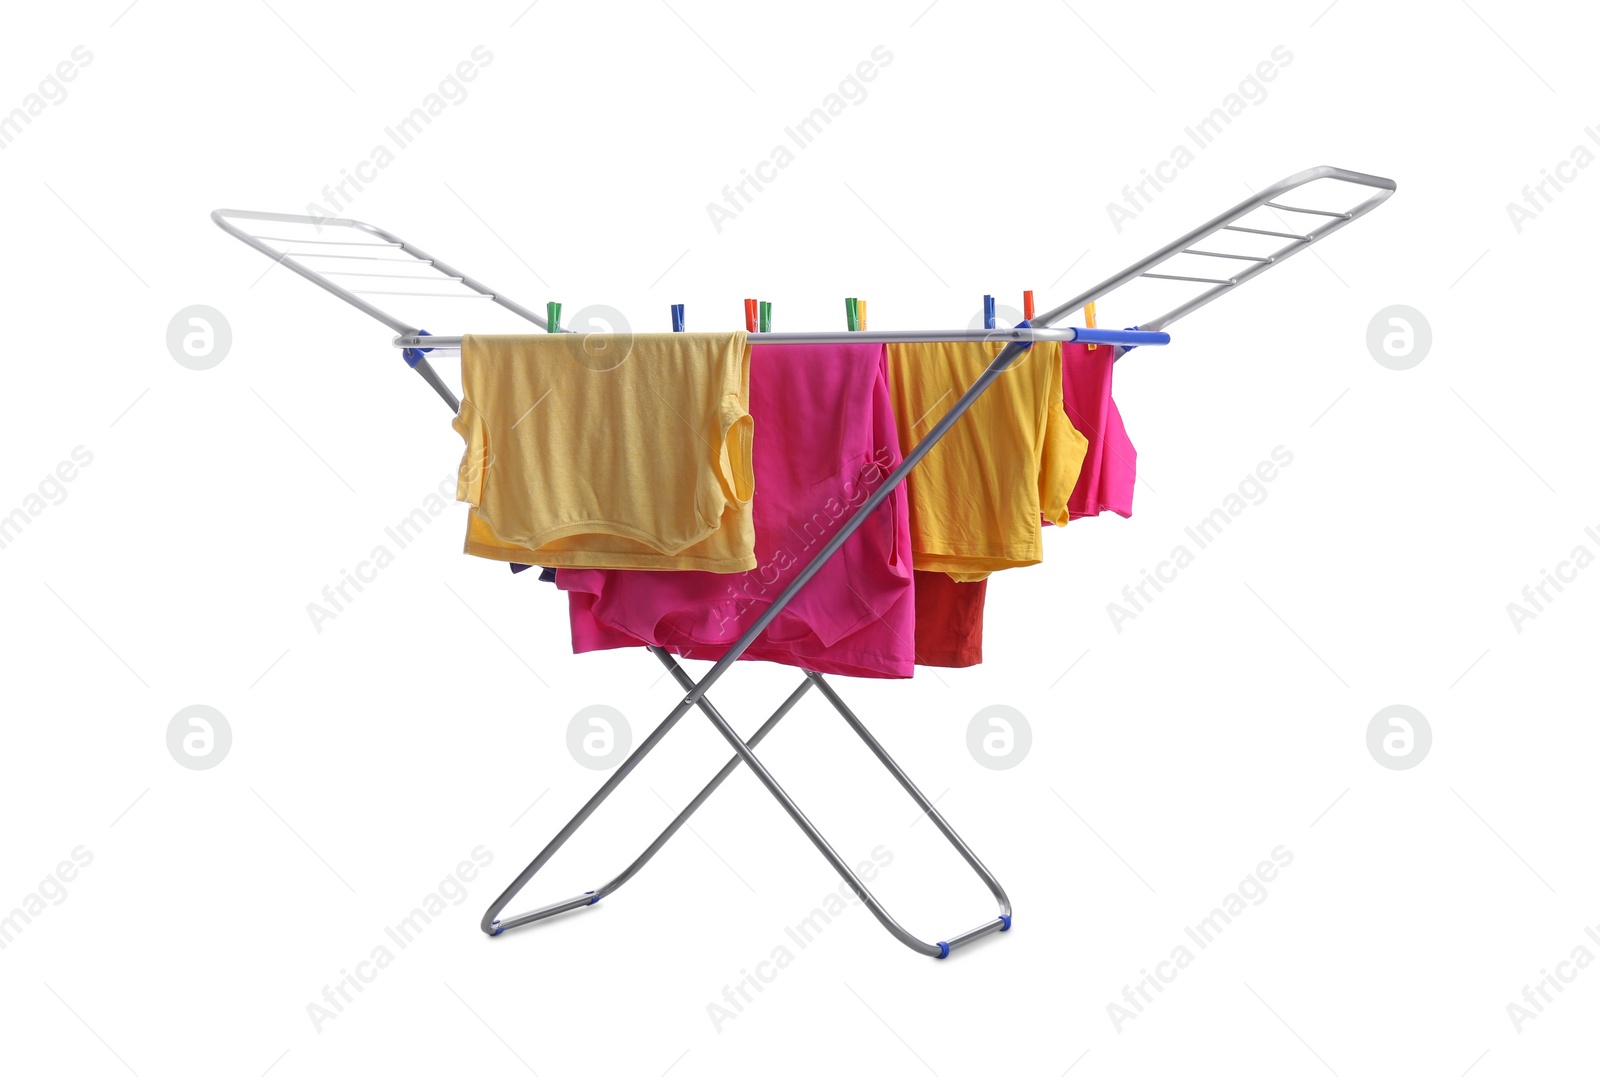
(430,295)
(1196,280)
(356,257)
(1265,232)
(400,276)
(988,927)
(1219,254)
(1316,212)
(331,242)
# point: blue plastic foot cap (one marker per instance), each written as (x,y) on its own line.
(944,951)
(1006,921)
(497,929)
(591,900)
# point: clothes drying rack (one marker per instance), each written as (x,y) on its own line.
(367,238)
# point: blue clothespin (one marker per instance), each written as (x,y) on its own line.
(988,312)
(677,317)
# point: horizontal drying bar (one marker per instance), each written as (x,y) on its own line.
(1218,254)
(1266,232)
(426,295)
(1196,280)
(1313,212)
(334,242)
(1127,338)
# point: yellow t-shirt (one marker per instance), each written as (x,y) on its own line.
(608,452)
(977,497)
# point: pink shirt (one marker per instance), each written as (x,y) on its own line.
(824,440)
(1106,479)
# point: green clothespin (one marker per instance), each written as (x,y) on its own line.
(851,319)
(766,316)
(552,317)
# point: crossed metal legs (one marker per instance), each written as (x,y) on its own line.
(492,925)
(696,697)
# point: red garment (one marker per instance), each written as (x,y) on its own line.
(949,620)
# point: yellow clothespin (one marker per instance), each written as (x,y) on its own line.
(1088,320)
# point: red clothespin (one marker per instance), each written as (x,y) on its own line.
(752,315)
(1027,307)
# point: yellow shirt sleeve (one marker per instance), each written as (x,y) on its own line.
(475,460)
(735,465)
(1062,454)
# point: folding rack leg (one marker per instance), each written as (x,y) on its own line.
(493,926)
(721,776)
(1001,922)
(926,805)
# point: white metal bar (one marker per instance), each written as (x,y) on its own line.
(396,276)
(1265,232)
(842,336)
(1220,254)
(352,257)
(329,242)
(1196,280)
(1302,209)
(429,295)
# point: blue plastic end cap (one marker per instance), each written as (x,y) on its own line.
(944,951)
(593,899)
(497,929)
(1025,324)
(413,356)
(1005,922)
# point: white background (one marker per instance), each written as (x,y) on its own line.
(1227,719)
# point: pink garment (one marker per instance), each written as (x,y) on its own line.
(824,440)
(1106,479)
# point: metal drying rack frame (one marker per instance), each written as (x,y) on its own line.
(1016,340)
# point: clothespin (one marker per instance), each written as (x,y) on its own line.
(1027,306)
(861,315)
(1088,320)
(765,314)
(750,315)
(988,312)
(677,317)
(852,315)
(552,317)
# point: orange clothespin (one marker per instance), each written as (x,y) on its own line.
(1027,307)
(1088,321)
(751,315)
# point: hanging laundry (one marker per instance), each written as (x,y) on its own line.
(1105,481)
(977,497)
(580,457)
(949,620)
(827,441)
